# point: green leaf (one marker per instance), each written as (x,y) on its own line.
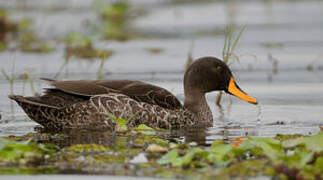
(217,142)
(188,157)
(122,124)
(269,146)
(169,157)
(112,116)
(314,143)
(3,143)
(144,129)
(298,159)
(318,164)
(24,152)
(237,39)
(220,154)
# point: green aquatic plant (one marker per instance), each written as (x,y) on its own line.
(80,46)
(115,17)
(13,152)
(10,78)
(140,129)
(262,155)
(228,50)
(29,41)
(75,39)
(26,38)
(115,31)
(144,129)
(99,73)
(115,11)
(313,143)
(37,47)
(27,77)
(6,27)
(190,55)
(27,170)
(121,123)
(283,156)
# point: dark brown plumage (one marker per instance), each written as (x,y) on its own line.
(85,104)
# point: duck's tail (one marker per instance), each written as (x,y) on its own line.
(43,114)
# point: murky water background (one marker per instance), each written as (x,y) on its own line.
(290,95)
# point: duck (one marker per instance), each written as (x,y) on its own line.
(88,104)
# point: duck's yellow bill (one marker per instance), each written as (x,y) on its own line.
(236,91)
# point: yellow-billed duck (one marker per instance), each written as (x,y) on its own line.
(85,103)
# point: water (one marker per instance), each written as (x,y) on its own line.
(291,98)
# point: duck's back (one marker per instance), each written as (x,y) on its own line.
(139,91)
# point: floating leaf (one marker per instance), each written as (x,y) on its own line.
(23,152)
(219,154)
(121,123)
(188,157)
(314,143)
(3,143)
(269,146)
(169,157)
(144,129)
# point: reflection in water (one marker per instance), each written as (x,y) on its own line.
(81,136)
(259,114)
(191,134)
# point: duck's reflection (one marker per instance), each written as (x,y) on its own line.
(191,134)
(70,137)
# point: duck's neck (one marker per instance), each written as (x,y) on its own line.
(196,103)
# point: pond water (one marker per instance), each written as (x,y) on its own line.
(289,33)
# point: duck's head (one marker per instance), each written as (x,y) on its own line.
(211,74)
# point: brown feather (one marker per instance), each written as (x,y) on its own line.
(137,90)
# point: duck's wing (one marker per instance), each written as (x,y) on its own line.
(137,90)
